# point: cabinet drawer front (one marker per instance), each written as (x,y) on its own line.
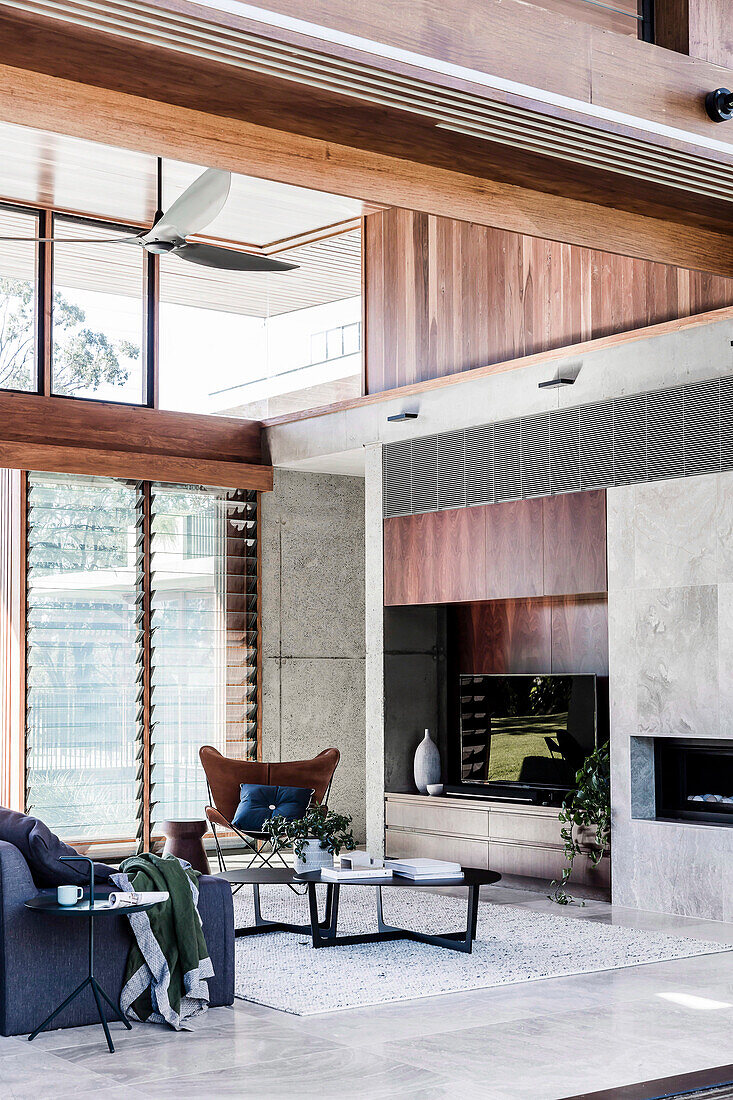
(523,859)
(437,818)
(469,853)
(530,828)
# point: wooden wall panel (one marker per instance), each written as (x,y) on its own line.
(436,557)
(514,555)
(574,543)
(502,636)
(580,635)
(561,635)
(408,546)
(700,28)
(548,546)
(445,296)
(459,572)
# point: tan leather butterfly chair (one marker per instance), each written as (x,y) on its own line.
(225,775)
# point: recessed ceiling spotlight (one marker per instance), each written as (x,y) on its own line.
(401,416)
(719,105)
(553,383)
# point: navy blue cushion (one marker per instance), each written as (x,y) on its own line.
(258,803)
(41,850)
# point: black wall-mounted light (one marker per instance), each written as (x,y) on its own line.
(719,105)
(553,383)
(401,416)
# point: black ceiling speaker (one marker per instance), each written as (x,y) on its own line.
(719,105)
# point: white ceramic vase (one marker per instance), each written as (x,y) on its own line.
(427,764)
(313,858)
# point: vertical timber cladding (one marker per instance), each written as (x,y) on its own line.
(445,296)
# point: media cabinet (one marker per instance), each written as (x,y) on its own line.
(513,839)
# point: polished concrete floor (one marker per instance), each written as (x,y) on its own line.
(543,1040)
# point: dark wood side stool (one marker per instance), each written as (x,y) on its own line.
(185,840)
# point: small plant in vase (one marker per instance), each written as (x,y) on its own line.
(585,816)
(315,838)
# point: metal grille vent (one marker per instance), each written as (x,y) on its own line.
(535,445)
(397,480)
(480,465)
(452,470)
(507,460)
(702,427)
(676,432)
(425,474)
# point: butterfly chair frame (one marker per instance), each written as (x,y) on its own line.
(224,777)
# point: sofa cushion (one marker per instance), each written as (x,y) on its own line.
(41,850)
(258,803)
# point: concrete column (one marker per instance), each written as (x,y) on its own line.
(374,548)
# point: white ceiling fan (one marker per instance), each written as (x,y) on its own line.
(190,213)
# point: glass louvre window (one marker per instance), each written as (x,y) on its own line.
(18,301)
(98,316)
(82,656)
(204,638)
(90,582)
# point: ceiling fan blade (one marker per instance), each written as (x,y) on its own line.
(226,259)
(195,208)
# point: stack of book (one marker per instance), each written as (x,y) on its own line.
(426,870)
(355,874)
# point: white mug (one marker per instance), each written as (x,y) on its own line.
(69,895)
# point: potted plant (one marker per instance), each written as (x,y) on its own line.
(585,818)
(316,837)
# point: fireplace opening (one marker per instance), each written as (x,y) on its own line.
(694,781)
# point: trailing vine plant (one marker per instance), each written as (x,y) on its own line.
(587,807)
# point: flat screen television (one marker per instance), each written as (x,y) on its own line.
(524,736)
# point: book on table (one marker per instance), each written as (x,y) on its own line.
(355,874)
(421,869)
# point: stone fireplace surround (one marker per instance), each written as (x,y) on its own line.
(670,565)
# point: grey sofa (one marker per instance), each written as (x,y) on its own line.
(43,958)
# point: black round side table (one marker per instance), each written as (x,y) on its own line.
(91,907)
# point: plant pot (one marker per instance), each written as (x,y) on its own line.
(313,858)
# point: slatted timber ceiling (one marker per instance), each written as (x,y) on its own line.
(676,432)
(329,270)
(189,33)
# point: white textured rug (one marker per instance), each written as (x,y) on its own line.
(514,944)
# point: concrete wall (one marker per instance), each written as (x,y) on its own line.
(313,627)
(670,573)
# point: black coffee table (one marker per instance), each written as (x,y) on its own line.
(324,933)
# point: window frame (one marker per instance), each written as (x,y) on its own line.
(39,282)
(149,302)
(44,287)
(145,658)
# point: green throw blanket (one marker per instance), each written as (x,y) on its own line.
(168,964)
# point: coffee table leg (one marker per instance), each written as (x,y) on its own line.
(454,941)
(331,921)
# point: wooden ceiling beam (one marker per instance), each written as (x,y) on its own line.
(94,437)
(64,106)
